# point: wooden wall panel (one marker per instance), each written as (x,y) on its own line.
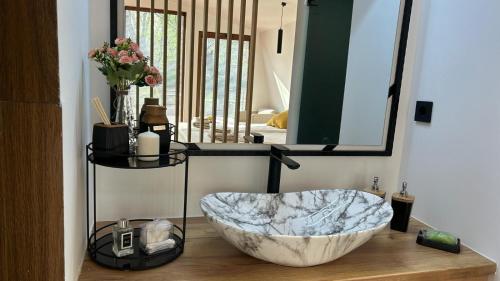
(31,179)
(31,189)
(28,32)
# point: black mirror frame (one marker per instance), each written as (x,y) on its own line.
(328,150)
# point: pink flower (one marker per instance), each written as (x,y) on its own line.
(159,79)
(150,80)
(139,53)
(92,53)
(120,40)
(134,58)
(125,60)
(134,46)
(112,52)
(154,70)
(123,53)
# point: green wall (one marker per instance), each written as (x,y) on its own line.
(325,68)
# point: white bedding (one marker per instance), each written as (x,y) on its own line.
(272,135)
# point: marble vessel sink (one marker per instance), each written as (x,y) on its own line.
(297,229)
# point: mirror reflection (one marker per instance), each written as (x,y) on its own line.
(282,73)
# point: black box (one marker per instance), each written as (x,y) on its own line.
(110,141)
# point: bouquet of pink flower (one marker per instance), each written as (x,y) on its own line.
(125,65)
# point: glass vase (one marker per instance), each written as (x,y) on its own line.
(124,113)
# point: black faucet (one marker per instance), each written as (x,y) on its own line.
(276,159)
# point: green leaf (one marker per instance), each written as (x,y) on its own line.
(113,79)
(122,73)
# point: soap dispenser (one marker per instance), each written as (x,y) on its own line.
(402,204)
(375,188)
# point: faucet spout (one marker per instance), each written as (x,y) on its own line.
(276,159)
(291,164)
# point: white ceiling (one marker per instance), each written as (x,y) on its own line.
(269,10)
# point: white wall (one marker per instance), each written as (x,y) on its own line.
(261,99)
(99,33)
(273,75)
(73,66)
(298,62)
(371,49)
(158,193)
(452,164)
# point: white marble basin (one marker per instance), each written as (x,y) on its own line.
(297,229)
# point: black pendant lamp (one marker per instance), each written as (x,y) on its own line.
(280,31)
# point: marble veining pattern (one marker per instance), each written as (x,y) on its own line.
(297,229)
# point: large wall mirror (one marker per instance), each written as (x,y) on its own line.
(320,76)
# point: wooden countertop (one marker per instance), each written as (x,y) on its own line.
(390,255)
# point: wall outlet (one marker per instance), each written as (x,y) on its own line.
(423,111)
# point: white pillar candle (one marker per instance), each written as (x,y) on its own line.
(148,143)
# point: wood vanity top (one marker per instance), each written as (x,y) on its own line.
(390,255)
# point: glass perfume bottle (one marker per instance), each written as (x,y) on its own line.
(123,238)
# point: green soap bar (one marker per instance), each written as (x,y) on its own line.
(440,237)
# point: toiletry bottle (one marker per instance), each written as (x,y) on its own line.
(375,189)
(123,238)
(402,204)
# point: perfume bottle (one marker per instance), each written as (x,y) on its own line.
(123,238)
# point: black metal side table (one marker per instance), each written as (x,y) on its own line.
(100,240)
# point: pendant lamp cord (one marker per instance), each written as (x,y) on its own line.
(283,4)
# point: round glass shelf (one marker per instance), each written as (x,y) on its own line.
(101,252)
(177,155)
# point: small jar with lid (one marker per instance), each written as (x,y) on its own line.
(143,127)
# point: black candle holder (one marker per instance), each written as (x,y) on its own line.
(165,132)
